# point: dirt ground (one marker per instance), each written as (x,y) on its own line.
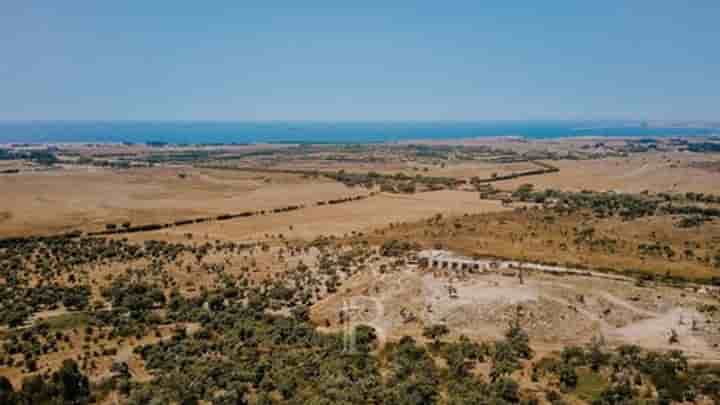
(555,310)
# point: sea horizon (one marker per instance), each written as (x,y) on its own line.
(315,131)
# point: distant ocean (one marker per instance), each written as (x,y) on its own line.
(206,132)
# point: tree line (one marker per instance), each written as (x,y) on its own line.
(127,227)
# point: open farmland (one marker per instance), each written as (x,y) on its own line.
(483,167)
(67,200)
(337,220)
(261,262)
(655,172)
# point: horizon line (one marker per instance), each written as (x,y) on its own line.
(481,120)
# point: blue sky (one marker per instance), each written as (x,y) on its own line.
(419,60)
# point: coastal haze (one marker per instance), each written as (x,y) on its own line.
(410,204)
(228,132)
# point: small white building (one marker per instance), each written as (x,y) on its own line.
(443,259)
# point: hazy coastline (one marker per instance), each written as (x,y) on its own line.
(276,132)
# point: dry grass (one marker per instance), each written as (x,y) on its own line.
(58,201)
(461,169)
(660,172)
(532,235)
(90,347)
(338,220)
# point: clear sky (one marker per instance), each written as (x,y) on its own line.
(362,60)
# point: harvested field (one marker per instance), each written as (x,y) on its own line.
(460,169)
(323,165)
(65,200)
(338,220)
(652,172)
(465,170)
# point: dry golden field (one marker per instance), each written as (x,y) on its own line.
(65,200)
(460,169)
(338,220)
(657,172)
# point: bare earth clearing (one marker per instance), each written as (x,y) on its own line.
(555,310)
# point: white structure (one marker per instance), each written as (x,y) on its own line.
(442,259)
